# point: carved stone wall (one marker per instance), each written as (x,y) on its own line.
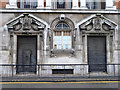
(25,23)
(98,25)
(39,24)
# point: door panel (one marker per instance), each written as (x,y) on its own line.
(26,54)
(97,53)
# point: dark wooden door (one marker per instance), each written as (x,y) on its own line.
(97,53)
(26,53)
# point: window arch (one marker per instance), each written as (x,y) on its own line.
(62,26)
(62,38)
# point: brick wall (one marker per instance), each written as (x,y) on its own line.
(3,3)
(117,4)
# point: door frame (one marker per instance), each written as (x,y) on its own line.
(105,52)
(109,38)
(14,46)
(17,52)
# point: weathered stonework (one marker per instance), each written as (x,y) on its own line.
(41,24)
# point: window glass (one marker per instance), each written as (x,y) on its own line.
(62,40)
(68,4)
(93,4)
(28,4)
(62,36)
(59,26)
(60,4)
(62,25)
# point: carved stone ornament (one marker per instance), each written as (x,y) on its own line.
(17,26)
(97,23)
(25,22)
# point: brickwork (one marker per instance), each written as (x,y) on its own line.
(117,4)
(3,3)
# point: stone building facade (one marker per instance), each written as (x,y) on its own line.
(50,34)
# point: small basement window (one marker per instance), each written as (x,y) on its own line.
(62,71)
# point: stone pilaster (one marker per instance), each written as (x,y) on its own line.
(83,4)
(40,4)
(48,4)
(75,4)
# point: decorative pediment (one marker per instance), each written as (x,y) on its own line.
(97,23)
(26,23)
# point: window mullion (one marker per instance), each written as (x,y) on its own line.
(62,25)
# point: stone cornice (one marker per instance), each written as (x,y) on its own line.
(59,11)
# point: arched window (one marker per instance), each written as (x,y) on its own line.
(62,36)
(62,26)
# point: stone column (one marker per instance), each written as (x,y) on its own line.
(40,4)
(12,4)
(38,49)
(75,4)
(48,4)
(86,49)
(14,49)
(109,5)
(83,4)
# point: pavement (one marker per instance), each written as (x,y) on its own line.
(56,79)
(112,83)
